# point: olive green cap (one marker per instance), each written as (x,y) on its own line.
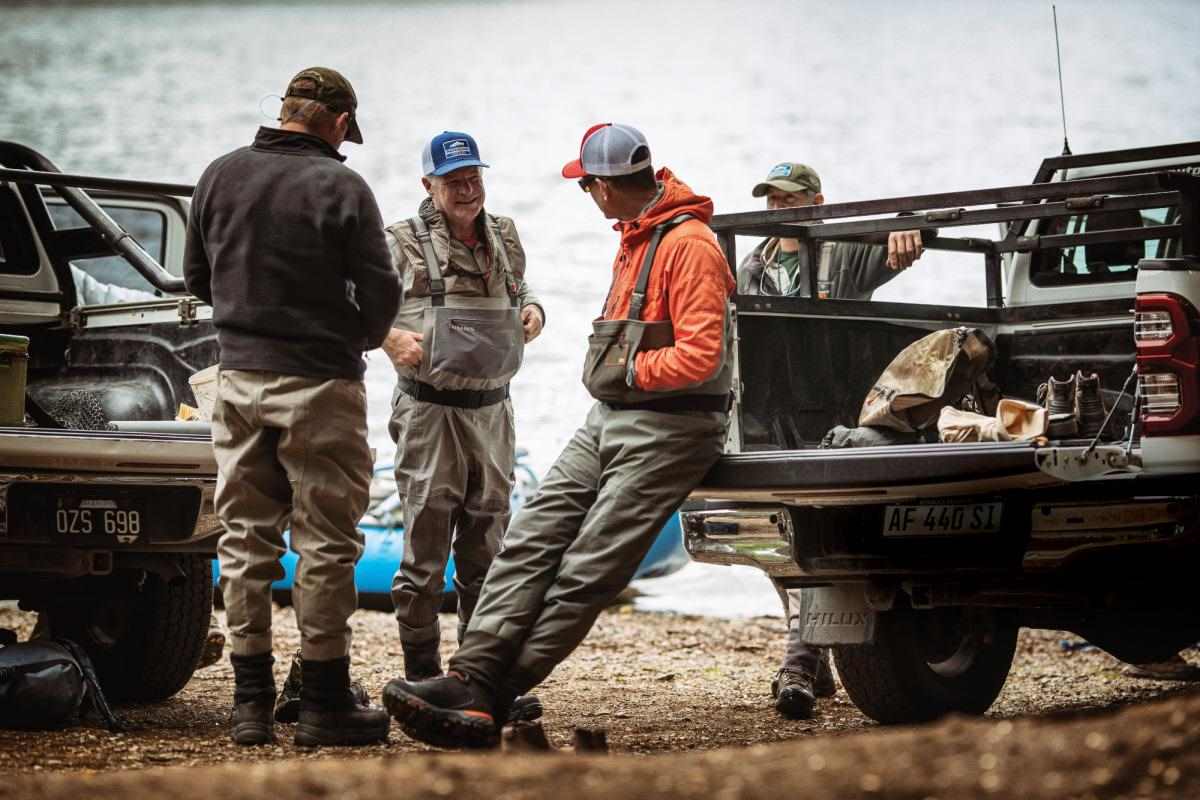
(330,88)
(789,176)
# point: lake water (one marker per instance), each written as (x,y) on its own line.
(881,98)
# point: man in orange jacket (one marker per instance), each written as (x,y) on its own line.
(658,364)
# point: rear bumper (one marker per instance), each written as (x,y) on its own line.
(755,537)
(1171,454)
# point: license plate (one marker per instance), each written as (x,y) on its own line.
(99,516)
(941,519)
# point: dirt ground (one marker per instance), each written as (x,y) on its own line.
(658,683)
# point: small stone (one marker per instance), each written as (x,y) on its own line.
(816,762)
(871,782)
(1170,776)
(1101,776)
(988,761)
(1096,741)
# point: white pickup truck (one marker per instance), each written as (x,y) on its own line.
(921,561)
(106,520)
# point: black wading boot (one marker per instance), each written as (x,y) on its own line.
(421,661)
(450,711)
(1059,399)
(330,713)
(253,696)
(796,691)
(1090,404)
(287,707)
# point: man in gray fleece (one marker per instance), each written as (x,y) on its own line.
(287,245)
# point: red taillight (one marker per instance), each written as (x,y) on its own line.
(1166,328)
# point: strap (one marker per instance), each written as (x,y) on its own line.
(639,290)
(510,278)
(93,683)
(437,285)
(457,398)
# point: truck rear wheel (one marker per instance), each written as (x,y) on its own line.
(925,664)
(144,637)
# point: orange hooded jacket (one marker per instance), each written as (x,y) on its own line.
(690,284)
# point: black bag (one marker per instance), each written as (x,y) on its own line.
(46,683)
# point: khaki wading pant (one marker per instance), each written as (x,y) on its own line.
(572,549)
(290,446)
(454,476)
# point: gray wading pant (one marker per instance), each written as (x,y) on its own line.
(573,548)
(800,655)
(290,446)
(454,476)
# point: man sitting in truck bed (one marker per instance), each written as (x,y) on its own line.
(845,270)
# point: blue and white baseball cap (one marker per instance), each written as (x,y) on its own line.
(448,151)
(608,150)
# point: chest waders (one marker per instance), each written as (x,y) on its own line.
(572,548)
(454,450)
(466,337)
(615,343)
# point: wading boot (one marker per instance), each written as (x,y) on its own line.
(1059,399)
(253,696)
(330,713)
(1089,405)
(287,707)
(795,696)
(450,711)
(421,661)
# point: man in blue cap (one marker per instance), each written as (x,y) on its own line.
(456,342)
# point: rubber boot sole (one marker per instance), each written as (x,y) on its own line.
(440,727)
(316,736)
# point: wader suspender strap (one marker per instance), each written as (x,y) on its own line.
(437,285)
(639,290)
(510,280)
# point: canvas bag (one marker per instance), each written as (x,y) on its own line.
(931,373)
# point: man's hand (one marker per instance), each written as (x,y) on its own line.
(403,347)
(904,247)
(531,320)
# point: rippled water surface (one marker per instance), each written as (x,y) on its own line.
(882,98)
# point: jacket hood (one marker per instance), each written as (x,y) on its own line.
(675,198)
(295,142)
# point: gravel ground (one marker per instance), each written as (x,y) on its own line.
(657,682)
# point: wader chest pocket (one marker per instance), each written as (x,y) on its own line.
(474,343)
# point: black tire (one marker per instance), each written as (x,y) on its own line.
(925,664)
(145,638)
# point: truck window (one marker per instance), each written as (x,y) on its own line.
(17,253)
(146,225)
(1102,262)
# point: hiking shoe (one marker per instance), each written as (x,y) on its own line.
(794,694)
(331,714)
(1089,405)
(450,711)
(824,685)
(1059,399)
(252,724)
(421,661)
(1173,669)
(287,706)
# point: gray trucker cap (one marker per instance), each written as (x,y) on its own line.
(608,150)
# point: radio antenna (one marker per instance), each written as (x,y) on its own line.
(1061,95)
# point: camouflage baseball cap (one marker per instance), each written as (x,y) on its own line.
(789,176)
(330,88)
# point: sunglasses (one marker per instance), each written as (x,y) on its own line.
(585,183)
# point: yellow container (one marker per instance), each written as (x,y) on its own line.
(14,359)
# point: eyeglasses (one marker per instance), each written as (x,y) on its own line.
(585,183)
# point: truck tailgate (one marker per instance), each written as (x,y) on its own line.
(50,450)
(872,474)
